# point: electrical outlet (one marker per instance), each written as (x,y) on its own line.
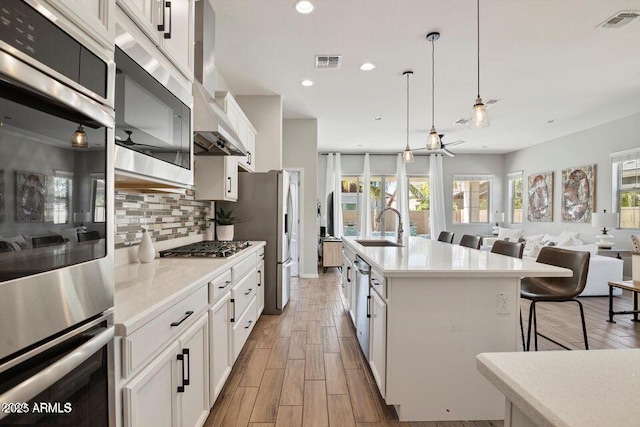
(503,303)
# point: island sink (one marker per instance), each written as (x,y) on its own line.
(378,243)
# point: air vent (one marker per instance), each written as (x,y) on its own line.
(462,121)
(328,61)
(620,19)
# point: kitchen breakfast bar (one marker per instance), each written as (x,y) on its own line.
(433,307)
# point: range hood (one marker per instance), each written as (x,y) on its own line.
(213,132)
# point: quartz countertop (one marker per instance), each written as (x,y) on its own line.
(421,257)
(142,291)
(569,388)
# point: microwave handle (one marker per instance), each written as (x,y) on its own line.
(30,388)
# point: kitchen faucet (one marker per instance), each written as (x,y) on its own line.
(400,229)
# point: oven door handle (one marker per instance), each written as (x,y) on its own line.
(30,388)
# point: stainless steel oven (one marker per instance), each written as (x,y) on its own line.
(56,179)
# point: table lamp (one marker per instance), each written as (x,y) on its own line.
(605,221)
(82,217)
(496,217)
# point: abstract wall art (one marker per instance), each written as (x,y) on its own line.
(31,191)
(578,191)
(540,208)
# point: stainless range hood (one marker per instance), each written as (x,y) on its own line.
(213,132)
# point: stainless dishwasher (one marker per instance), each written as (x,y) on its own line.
(363,296)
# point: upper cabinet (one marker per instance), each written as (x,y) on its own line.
(170,25)
(243,127)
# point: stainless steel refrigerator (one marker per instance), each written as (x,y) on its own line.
(265,210)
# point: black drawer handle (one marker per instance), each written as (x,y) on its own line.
(186,315)
(260,276)
(368,306)
(348,274)
(181,387)
(249,324)
(227,283)
(233,318)
(249,291)
(375,282)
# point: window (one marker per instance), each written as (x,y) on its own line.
(382,194)
(98,198)
(419,204)
(471,199)
(515,197)
(626,175)
(61,183)
(351,202)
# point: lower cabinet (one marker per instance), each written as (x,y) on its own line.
(220,363)
(242,327)
(260,294)
(378,337)
(172,390)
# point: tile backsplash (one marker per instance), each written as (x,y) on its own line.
(167,216)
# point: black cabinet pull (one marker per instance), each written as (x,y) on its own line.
(181,387)
(167,35)
(348,271)
(249,291)
(229,182)
(248,157)
(260,276)
(249,324)
(227,283)
(161,26)
(188,357)
(368,306)
(186,315)
(233,317)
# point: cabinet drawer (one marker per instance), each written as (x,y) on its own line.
(241,268)
(141,345)
(379,283)
(243,291)
(243,327)
(219,286)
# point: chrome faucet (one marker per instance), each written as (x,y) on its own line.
(400,229)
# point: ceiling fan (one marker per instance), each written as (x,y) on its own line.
(444,148)
(129,142)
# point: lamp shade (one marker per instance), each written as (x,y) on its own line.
(496,216)
(604,220)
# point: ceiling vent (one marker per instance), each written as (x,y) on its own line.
(620,19)
(328,61)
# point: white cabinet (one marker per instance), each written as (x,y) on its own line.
(243,127)
(172,390)
(170,26)
(378,344)
(220,362)
(95,17)
(260,285)
(216,178)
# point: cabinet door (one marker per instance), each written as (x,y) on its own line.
(260,295)
(231,178)
(96,17)
(345,286)
(220,362)
(251,150)
(177,40)
(150,397)
(193,360)
(145,14)
(378,337)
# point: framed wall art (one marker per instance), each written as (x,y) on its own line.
(540,196)
(31,191)
(578,193)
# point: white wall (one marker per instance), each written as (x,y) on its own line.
(300,147)
(265,114)
(590,146)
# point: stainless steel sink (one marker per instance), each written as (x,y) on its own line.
(377,243)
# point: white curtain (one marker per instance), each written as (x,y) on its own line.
(437,219)
(402,196)
(365,208)
(337,197)
(329,183)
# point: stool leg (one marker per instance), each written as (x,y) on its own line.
(584,326)
(535,325)
(522,332)
(531,307)
(635,307)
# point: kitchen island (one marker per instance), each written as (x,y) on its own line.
(432,308)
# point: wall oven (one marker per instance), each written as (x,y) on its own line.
(56,185)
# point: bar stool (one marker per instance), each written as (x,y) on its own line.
(89,235)
(446,237)
(556,289)
(41,242)
(470,241)
(5,247)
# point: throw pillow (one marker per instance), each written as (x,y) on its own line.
(531,240)
(567,235)
(535,250)
(550,238)
(513,234)
(571,241)
(17,240)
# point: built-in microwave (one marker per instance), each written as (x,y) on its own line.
(153,131)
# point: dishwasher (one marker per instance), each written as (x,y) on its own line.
(363,297)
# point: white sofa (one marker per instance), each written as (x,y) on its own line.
(602,269)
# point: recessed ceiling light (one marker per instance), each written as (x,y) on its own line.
(377,118)
(306,83)
(304,6)
(367,66)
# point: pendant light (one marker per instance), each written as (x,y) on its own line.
(407,155)
(433,140)
(79,138)
(479,115)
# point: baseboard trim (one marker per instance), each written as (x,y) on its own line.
(309,276)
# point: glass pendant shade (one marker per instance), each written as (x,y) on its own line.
(79,138)
(479,115)
(433,140)
(407,155)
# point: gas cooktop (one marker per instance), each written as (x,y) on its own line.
(207,248)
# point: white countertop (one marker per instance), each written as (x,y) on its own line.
(569,388)
(142,291)
(430,258)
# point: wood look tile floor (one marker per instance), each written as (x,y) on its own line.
(305,368)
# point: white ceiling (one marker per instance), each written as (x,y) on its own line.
(543,59)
